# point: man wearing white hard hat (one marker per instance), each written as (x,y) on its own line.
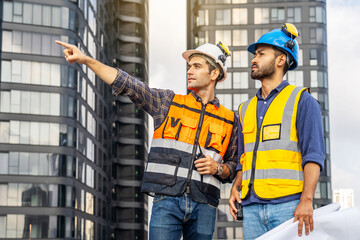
(194,146)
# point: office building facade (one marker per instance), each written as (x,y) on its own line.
(61,159)
(238,23)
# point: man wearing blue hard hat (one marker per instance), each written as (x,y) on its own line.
(281,146)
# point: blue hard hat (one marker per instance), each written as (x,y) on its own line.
(283,39)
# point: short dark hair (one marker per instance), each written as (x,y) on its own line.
(279,52)
(211,68)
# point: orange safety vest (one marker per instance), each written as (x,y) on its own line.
(188,124)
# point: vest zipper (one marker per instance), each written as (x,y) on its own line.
(188,179)
(254,159)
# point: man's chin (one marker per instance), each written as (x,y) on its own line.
(191,88)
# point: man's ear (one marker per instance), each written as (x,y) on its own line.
(281,60)
(214,74)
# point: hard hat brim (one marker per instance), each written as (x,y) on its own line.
(252,48)
(187,54)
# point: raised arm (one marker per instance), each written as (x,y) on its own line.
(74,55)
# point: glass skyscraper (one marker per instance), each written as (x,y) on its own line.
(71,155)
(238,23)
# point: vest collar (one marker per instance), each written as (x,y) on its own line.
(274,91)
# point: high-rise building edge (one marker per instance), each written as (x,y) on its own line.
(71,154)
(238,23)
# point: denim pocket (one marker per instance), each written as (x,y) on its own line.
(211,206)
(158,198)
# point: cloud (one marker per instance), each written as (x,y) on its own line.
(167,67)
(343,39)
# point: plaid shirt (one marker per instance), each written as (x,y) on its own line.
(157,102)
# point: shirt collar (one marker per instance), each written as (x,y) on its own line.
(215,101)
(274,91)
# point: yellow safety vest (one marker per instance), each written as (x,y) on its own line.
(272,160)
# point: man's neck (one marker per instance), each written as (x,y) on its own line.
(205,95)
(269,84)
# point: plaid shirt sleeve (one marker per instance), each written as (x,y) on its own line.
(156,102)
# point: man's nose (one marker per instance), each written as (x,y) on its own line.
(190,71)
(254,60)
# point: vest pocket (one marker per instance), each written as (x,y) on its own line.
(172,128)
(188,130)
(162,169)
(215,138)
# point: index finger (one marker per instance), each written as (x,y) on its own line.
(200,160)
(64,44)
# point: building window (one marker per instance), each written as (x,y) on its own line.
(313,57)
(327,144)
(257,84)
(261,15)
(323,190)
(239,16)
(317,14)
(317,35)
(323,100)
(225,100)
(223,17)
(224,36)
(202,18)
(89,230)
(240,80)
(35,133)
(28,13)
(42,164)
(239,1)
(202,38)
(259,32)
(277,15)
(238,99)
(294,15)
(318,57)
(317,194)
(89,203)
(240,59)
(296,78)
(318,79)
(32,43)
(240,37)
(225,84)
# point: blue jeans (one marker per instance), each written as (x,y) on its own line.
(173,216)
(260,218)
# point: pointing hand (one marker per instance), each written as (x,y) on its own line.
(73,54)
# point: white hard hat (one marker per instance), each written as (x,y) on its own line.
(218,53)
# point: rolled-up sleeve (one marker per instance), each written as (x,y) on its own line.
(310,131)
(156,102)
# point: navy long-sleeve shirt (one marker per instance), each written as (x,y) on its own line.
(310,135)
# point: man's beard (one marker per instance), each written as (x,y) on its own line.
(264,72)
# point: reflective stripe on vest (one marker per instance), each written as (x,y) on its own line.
(182,172)
(278,171)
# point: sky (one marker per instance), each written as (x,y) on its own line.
(167,69)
